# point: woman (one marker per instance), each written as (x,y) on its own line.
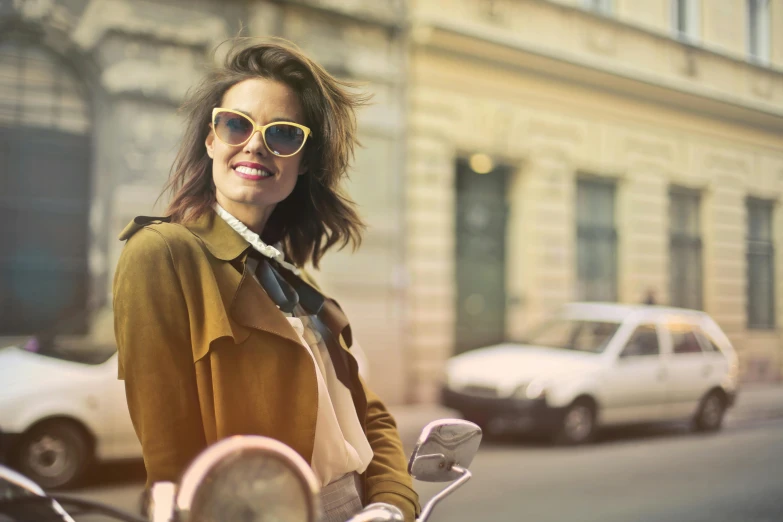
(218,333)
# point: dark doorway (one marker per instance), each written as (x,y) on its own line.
(482,213)
(44,193)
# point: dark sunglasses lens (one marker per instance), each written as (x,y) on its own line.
(232,128)
(284,139)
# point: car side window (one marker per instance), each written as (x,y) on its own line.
(684,339)
(643,341)
(707,344)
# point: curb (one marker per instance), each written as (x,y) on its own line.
(753,403)
(758,403)
(755,414)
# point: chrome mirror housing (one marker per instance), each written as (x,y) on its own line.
(443,453)
(443,445)
(243,479)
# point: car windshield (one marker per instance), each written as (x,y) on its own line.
(67,349)
(574,334)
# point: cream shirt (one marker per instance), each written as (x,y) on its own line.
(341,446)
(340,443)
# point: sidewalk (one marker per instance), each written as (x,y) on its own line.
(757,401)
(413,417)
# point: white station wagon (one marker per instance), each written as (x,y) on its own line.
(596,364)
(61,411)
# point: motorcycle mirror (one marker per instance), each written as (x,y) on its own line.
(443,445)
(248,479)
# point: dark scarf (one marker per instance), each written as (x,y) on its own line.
(286,292)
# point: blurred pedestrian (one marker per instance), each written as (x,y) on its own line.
(218,329)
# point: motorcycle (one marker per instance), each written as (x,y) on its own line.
(252,479)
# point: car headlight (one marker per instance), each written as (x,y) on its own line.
(535,389)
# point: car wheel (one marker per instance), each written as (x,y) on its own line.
(578,425)
(711,412)
(54,454)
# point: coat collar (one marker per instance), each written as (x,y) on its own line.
(250,306)
(221,240)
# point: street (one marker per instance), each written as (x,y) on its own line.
(641,474)
(660,475)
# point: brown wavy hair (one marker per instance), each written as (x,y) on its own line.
(317,215)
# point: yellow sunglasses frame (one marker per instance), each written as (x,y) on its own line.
(260,128)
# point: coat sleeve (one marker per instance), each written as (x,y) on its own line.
(387,478)
(155,358)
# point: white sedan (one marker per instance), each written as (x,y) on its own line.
(596,365)
(61,411)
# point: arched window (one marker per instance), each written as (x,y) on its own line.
(44,192)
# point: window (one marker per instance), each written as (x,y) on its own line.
(684,340)
(758,31)
(596,241)
(574,334)
(685,19)
(707,344)
(685,249)
(643,341)
(599,6)
(37,91)
(760,265)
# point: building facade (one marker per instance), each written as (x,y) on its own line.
(518,154)
(593,150)
(89,91)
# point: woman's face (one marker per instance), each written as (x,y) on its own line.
(249,179)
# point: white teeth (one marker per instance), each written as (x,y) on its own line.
(251,171)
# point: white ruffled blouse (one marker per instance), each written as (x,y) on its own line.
(341,447)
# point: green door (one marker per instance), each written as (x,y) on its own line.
(482,212)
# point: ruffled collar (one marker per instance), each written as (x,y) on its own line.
(254,239)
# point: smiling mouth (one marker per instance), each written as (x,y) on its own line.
(251,173)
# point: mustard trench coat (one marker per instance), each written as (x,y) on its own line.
(206,354)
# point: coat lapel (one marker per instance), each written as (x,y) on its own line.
(251,307)
(335,319)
